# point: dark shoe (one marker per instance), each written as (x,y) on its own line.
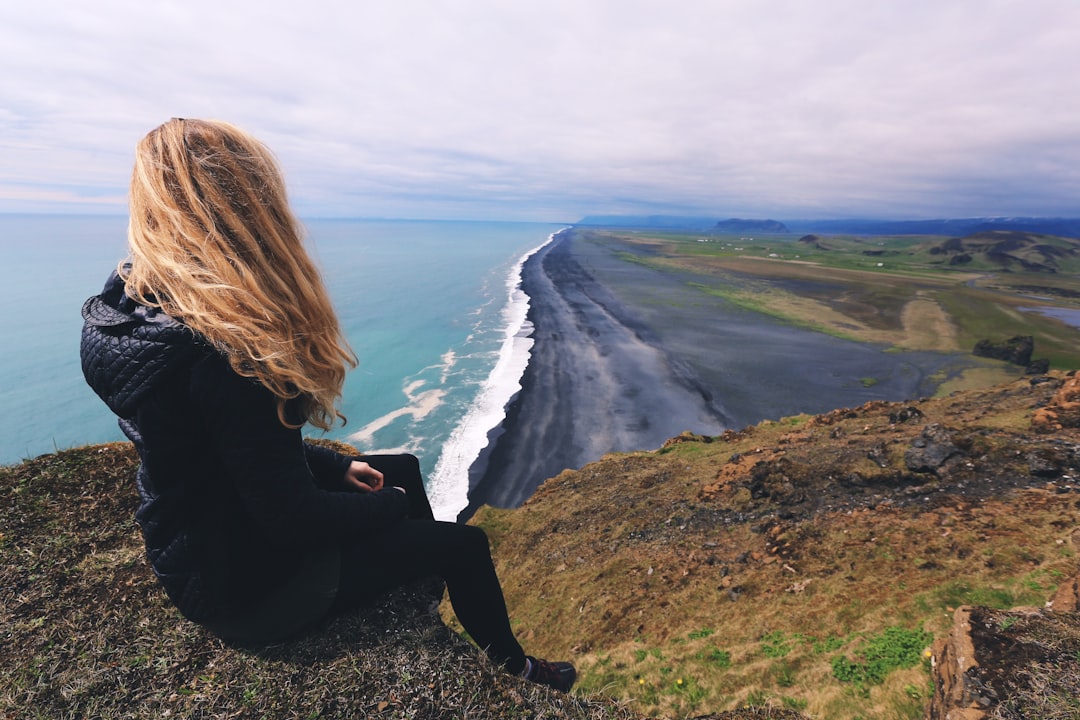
(558,675)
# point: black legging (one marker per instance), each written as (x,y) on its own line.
(420,547)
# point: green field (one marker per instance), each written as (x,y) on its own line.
(910,292)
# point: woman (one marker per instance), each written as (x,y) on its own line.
(214,344)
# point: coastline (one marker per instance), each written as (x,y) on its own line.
(625,357)
(594,383)
(449,485)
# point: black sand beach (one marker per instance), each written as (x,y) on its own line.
(626,357)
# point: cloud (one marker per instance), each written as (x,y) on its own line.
(550,110)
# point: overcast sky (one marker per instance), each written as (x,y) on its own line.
(552,109)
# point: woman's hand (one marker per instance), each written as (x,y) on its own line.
(361,476)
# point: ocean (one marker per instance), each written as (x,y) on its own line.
(433,310)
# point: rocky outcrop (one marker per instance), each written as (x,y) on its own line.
(1020,663)
(1067,598)
(1063,410)
(1016,350)
(953,657)
(1038,367)
(931,451)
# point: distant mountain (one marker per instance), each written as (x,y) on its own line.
(738,225)
(1060,227)
(650,221)
(676,222)
(1009,248)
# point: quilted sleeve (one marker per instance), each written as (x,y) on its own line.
(327,466)
(267,464)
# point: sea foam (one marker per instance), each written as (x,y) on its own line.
(421,404)
(448,487)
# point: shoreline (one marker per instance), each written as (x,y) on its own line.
(449,481)
(625,357)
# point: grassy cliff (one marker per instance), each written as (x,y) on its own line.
(85,631)
(797,566)
(806,563)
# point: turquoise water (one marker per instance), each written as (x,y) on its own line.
(430,308)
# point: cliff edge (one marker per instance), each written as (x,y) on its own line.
(806,563)
(796,568)
(85,631)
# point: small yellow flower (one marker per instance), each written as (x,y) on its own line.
(679,681)
(641,681)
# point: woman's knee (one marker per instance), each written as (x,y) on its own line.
(458,545)
(404,467)
(475,539)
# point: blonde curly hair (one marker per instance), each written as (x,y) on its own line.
(214,244)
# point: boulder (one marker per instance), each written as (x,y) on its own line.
(931,450)
(1016,350)
(1038,367)
(1063,410)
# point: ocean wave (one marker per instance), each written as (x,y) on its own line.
(421,404)
(449,359)
(448,487)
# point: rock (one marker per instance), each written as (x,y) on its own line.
(1038,367)
(953,657)
(685,437)
(1019,663)
(1016,350)
(1063,410)
(1047,462)
(905,414)
(1067,597)
(879,454)
(931,450)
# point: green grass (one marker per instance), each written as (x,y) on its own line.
(878,655)
(875,295)
(776,645)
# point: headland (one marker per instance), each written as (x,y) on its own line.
(628,353)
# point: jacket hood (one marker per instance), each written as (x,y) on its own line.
(128,349)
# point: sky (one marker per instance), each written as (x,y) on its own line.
(549,110)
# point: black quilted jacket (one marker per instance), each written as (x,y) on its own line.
(231,499)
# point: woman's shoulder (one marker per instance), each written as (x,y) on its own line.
(213,369)
(218,387)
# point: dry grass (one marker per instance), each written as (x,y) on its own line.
(86,632)
(715,575)
(927,326)
(1046,646)
(745,585)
